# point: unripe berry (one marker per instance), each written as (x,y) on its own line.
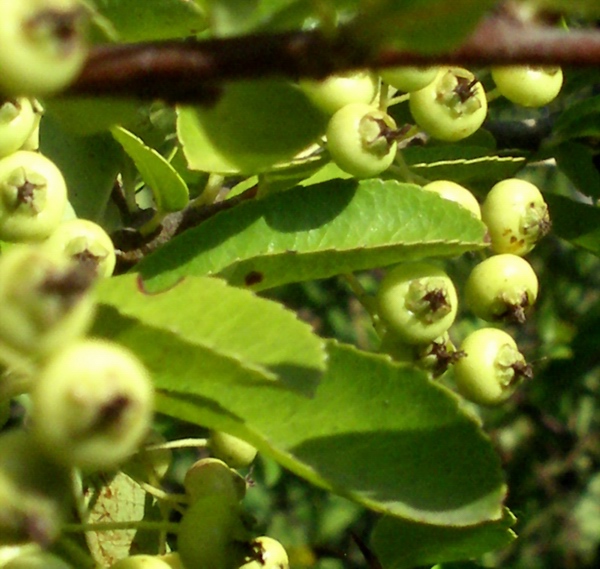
(409,79)
(451,107)
(141,562)
(456,193)
(362,140)
(528,85)
(93,405)
(17,121)
(336,91)
(46,301)
(41,45)
(37,560)
(235,452)
(266,553)
(491,368)
(35,493)
(212,477)
(502,287)
(33,196)
(211,534)
(417,302)
(434,357)
(516,216)
(86,242)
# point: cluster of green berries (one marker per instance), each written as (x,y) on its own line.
(89,402)
(417,302)
(448,103)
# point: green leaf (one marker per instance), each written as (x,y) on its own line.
(576,160)
(237,333)
(89,164)
(231,17)
(576,222)
(83,116)
(253,126)
(317,232)
(168,188)
(427,26)
(375,432)
(463,164)
(136,21)
(401,544)
(580,120)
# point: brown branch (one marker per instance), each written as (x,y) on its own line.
(190,71)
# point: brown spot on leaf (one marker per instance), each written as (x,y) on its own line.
(253,278)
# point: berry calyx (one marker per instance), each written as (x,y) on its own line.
(362,140)
(491,368)
(85,242)
(33,196)
(266,553)
(502,287)
(516,216)
(417,302)
(93,405)
(46,301)
(452,107)
(528,85)
(456,193)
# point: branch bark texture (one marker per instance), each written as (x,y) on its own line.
(191,71)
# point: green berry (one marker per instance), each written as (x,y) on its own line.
(33,196)
(211,534)
(516,216)
(37,560)
(362,140)
(266,553)
(17,121)
(46,302)
(212,477)
(86,242)
(409,79)
(337,91)
(491,368)
(93,405)
(141,562)
(528,85)
(417,302)
(451,107)
(42,46)
(502,287)
(456,193)
(434,357)
(232,450)
(35,493)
